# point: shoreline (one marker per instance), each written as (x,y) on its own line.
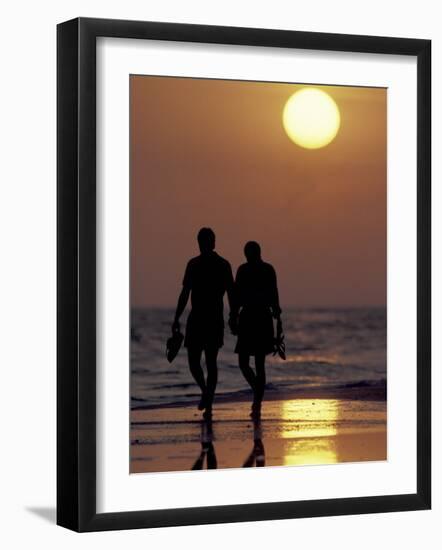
(367,391)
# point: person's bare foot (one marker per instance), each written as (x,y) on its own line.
(203,402)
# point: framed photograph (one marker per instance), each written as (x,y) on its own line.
(243,274)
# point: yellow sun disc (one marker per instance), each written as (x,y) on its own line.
(311,118)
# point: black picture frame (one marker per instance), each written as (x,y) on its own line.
(76,273)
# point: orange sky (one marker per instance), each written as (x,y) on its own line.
(214,153)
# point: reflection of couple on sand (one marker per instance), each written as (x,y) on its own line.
(254,303)
(207,454)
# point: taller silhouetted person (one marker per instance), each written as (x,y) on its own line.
(207,278)
(257,303)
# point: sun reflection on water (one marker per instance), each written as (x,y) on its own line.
(308,428)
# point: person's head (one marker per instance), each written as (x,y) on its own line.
(206,240)
(252,251)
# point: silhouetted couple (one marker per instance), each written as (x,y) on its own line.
(253,301)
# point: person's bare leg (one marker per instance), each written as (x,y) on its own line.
(260,382)
(212,379)
(194,358)
(246,369)
(248,373)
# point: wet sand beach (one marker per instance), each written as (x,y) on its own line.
(311,426)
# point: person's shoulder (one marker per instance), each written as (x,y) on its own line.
(193,261)
(223,261)
(268,267)
(242,268)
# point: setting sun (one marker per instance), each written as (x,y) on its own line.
(311,118)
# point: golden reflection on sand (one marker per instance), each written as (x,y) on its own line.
(291,432)
(308,428)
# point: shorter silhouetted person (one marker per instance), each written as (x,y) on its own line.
(207,278)
(257,303)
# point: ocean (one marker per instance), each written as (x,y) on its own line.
(324,347)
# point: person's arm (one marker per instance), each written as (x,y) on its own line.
(183,298)
(181,306)
(230,288)
(233,302)
(276,309)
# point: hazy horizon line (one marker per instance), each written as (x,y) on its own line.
(288,307)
